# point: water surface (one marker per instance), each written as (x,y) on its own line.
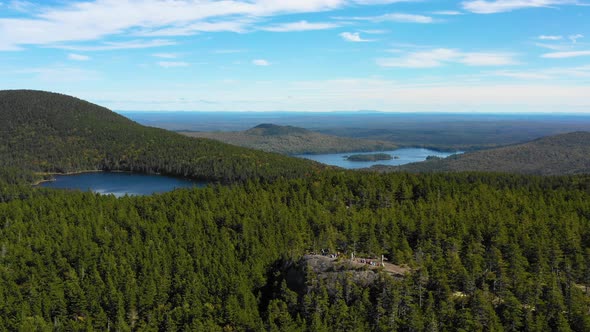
(405,156)
(120,184)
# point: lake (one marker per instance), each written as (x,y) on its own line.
(120,184)
(406,156)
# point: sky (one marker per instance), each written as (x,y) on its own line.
(476,56)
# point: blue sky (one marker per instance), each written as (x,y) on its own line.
(303,55)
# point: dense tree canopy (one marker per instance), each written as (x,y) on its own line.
(553,155)
(486,252)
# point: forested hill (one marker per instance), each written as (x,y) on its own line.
(49,132)
(553,155)
(293,140)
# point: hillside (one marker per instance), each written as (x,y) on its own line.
(553,155)
(293,140)
(49,132)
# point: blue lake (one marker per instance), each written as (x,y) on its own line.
(405,156)
(120,184)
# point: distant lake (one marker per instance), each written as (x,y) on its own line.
(120,184)
(406,156)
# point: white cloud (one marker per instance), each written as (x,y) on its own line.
(173,64)
(447,12)
(110,46)
(195,28)
(374,31)
(499,6)
(354,37)
(405,18)
(61,74)
(78,57)
(563,55)
(554,47)
(546,37)
(554,74)
(227,51)
(74,22)
(487,59)
(523,75)
(379,2)
(260,62)
(574,38)
(300,26)
(21,6)
(423,59)
(441,56)
(391,17)
(165,55)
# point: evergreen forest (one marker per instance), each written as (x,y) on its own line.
(480,251)
(485,253)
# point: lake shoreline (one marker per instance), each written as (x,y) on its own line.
(39,182)
(399,157)
(118,183)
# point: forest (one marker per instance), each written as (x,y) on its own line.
(292,140)
(486,252)
(53,133)
(552,155)
(482,251)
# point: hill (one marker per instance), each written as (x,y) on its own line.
(49,132)
(293,140)
(553,155)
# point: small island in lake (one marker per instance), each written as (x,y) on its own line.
(369,157)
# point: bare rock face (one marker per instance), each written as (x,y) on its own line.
(314,270)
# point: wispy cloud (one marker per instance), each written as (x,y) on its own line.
(354,37)
(391,17)
(523,75)
(260,62)
(379,2)
(574,38)
(499,6)
(61,74)
(78,57)
(563,55)
(441,56)
(447,12)
(554,74)
(75,22)
(173,64)
(405,18)
(227,51)
(110,46)
(374,31)
(554,47)
(300,26)
(165,55)
(195,28)
(548,37)
(21,6)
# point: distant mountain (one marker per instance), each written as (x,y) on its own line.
(293,140)
(552,155)
(49,132)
